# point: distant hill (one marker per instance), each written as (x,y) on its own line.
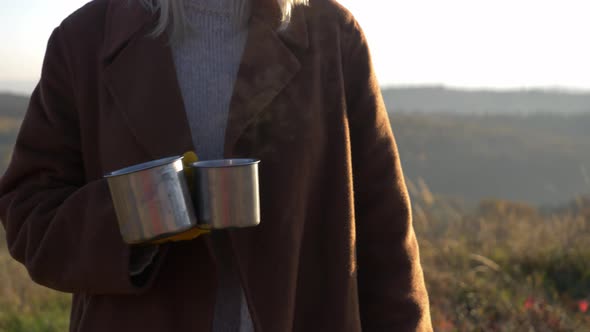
(18,87)
(440,99)
(541,158)
(13,105)
(12,111)
(518,151)
(435,99)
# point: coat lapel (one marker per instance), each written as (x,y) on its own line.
(268,65)
(140,75)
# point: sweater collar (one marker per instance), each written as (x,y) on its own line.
(226,8)
(233,14)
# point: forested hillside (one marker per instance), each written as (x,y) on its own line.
(538,157)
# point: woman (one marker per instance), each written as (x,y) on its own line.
(287,82)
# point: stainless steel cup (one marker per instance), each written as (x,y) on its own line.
(226,193)
(152,200)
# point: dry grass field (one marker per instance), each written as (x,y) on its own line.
(501,267)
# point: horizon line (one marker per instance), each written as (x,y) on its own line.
(25,88)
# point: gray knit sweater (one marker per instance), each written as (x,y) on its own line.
(207,63)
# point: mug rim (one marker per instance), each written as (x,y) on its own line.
(225,163)
(143,166)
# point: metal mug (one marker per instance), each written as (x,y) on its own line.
(226,193)
(152,200)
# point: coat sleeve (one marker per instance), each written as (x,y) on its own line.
(59,224)
(392,293)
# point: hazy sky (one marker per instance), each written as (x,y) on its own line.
(467,43)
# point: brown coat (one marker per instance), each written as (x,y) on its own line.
(331,254)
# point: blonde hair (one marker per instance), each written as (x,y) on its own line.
(172,15)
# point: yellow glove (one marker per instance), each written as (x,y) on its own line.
(191,234)
(188,158)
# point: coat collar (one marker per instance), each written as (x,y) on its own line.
(140,75)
